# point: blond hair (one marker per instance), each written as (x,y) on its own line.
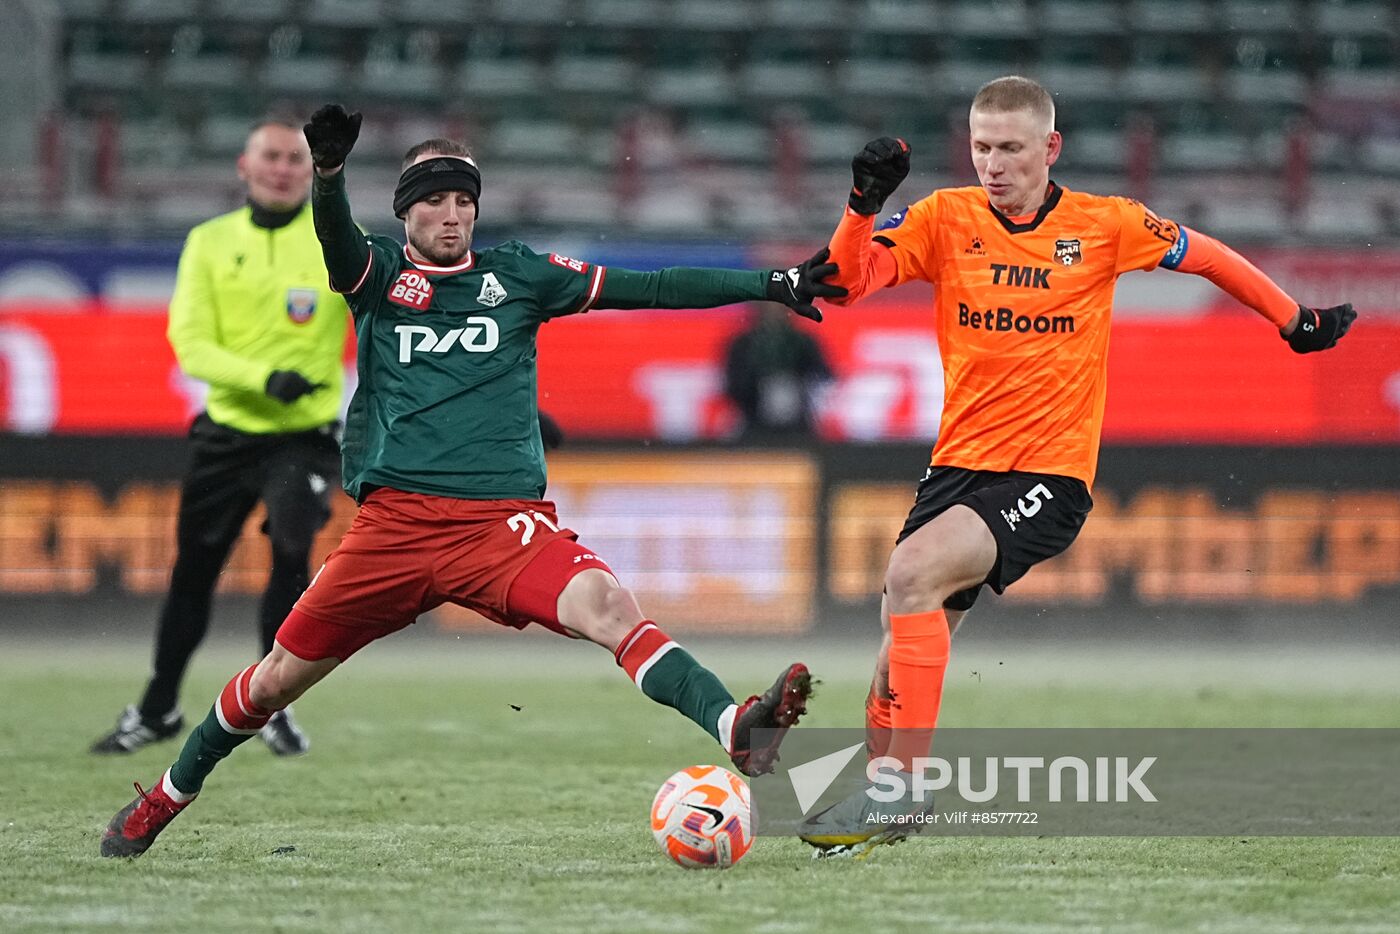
(1012,93)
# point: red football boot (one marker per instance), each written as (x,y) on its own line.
(778,708)
(136,826)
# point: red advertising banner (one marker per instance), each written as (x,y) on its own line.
(1215,378)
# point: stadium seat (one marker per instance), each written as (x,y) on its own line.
(250,11)
(389,76)
(1381,155)
(1241,218)
(485,81)
(1008,19)
(530,140)
(314,76)
(345,14)
(207,73)
(1266,86)
(867,80)
(1365,18)
(458,14)
(728,142)
(117,72)
(542,12)
(1093,150)
(784,81)
(901,17)
(713,15)
(601,75)
(690,86)
(1206,152)
(805,15)
(1081,18)
(1185,17)
(1164,83)
(1260,16)
(623,13)
(1331,218)
(140,12)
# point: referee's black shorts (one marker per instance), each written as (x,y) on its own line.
(1032,516)
(293,474)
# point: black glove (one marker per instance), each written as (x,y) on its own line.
(551,435)
(287,386)
(331,134)
(1319,328)
(876,172)
(797,286)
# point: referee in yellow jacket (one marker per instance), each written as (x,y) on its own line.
(253,316)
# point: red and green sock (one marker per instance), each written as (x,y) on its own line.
(669,675)
(232,721)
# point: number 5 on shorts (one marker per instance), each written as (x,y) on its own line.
(1030,503)
(524,523)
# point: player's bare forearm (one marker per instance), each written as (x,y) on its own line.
(342,244)
(680,287)
(862,266)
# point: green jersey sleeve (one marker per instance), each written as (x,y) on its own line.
(565,286)
(680,287)
(358,265)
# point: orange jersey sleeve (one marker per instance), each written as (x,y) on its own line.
(1143,238)
(1231,273)
(862,267)
(911,237)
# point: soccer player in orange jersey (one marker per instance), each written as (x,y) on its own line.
(1023,272)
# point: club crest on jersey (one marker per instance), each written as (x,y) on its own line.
(411,290)
(1068,252)
(492,292)
(301,304)
(576,265)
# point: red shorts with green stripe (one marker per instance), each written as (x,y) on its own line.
(407,553)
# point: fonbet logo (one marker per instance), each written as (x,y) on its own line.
(481,335)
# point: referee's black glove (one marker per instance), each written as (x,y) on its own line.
(331,134)
(551,435)
(876,172)
(1319,328)
(796,286)
(287,386)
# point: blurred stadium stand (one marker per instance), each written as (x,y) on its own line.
(1273,120)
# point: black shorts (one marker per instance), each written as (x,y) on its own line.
(1032,516)
(292,474)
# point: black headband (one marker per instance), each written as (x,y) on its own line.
(444,173)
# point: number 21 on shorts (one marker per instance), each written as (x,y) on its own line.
(524,523)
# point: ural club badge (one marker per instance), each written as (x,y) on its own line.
(1067,253)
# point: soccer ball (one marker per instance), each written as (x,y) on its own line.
(701,818)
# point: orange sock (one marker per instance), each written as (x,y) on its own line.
(877,724)
(919,648)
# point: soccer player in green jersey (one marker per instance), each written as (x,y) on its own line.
(442,450)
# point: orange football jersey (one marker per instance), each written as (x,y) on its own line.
(1022,316)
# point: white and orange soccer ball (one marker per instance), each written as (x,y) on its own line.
(702,819)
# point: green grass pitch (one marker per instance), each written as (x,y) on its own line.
(429,803)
